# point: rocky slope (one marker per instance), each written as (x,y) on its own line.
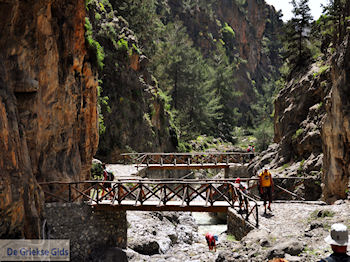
(137,119)
(311,128)
(48,112)
(294,231)
(299,114)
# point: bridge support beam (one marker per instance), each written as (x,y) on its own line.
(227,172)
(88,230)
(237,225)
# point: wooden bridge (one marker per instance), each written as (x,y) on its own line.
(157,195)
(196,160)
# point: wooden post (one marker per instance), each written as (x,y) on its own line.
(69,193)
(227,172)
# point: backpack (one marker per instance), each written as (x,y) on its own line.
(110,176)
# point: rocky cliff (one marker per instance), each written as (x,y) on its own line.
(136,119)
(256,27)
(312,128)
(48,112)
(336,128)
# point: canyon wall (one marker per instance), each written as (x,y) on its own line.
(48,109)
(256,27)
(312,127)
(336,128)
(135,118)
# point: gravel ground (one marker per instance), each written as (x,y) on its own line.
(294,231)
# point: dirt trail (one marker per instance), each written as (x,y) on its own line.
(295,231)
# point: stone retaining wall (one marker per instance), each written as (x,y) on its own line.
(237,170)
(236,225)
(88,230)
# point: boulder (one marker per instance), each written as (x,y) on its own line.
(290,247)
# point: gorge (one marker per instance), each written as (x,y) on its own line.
(96,78)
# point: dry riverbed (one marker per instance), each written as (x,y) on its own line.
(294,231)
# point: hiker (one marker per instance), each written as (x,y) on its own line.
(338,239)
(266,187)
(249,148)
(107,176)
(243,189)
(211,241)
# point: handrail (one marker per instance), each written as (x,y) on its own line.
(167,179)
(190,153)
(202,193)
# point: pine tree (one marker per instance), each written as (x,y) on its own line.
(297,35)
(223,82)
(335,18)
(184,75)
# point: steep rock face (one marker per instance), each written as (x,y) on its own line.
(249,23)
(336,128)
(254,23)
(298,120)
(299,110)
(312,126)
(137,120)
(48,112)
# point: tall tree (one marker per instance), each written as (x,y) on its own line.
(333,23)
(184,75)
(297,34)
(223,82)
(143,19)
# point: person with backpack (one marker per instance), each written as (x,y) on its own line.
(107,176)
(211,241)
(244,190)
(266,187)
(338,239)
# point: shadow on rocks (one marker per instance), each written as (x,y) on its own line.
(110,254)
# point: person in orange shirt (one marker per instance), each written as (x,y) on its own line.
(266,187)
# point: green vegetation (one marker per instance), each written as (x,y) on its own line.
(321,70)
(228,30)
(285,166)
(102,102)
(311,251)
(190,83)
(97,48)
(297,133)
(297,51)
(122,44)
(200,90)
(321,214)
(264,135)
(300,168)
(96,171)
(231,238)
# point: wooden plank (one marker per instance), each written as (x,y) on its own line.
(220,206)
(163,208)
(186,166)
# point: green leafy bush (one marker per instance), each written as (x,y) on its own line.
(228,30)
(122,44)
(96,171)
(264,135)
(92,43)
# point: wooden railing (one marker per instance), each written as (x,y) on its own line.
(152,195)
(186,160)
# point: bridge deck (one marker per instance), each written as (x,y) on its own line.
(186,166)
(194,206)
(193,160)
